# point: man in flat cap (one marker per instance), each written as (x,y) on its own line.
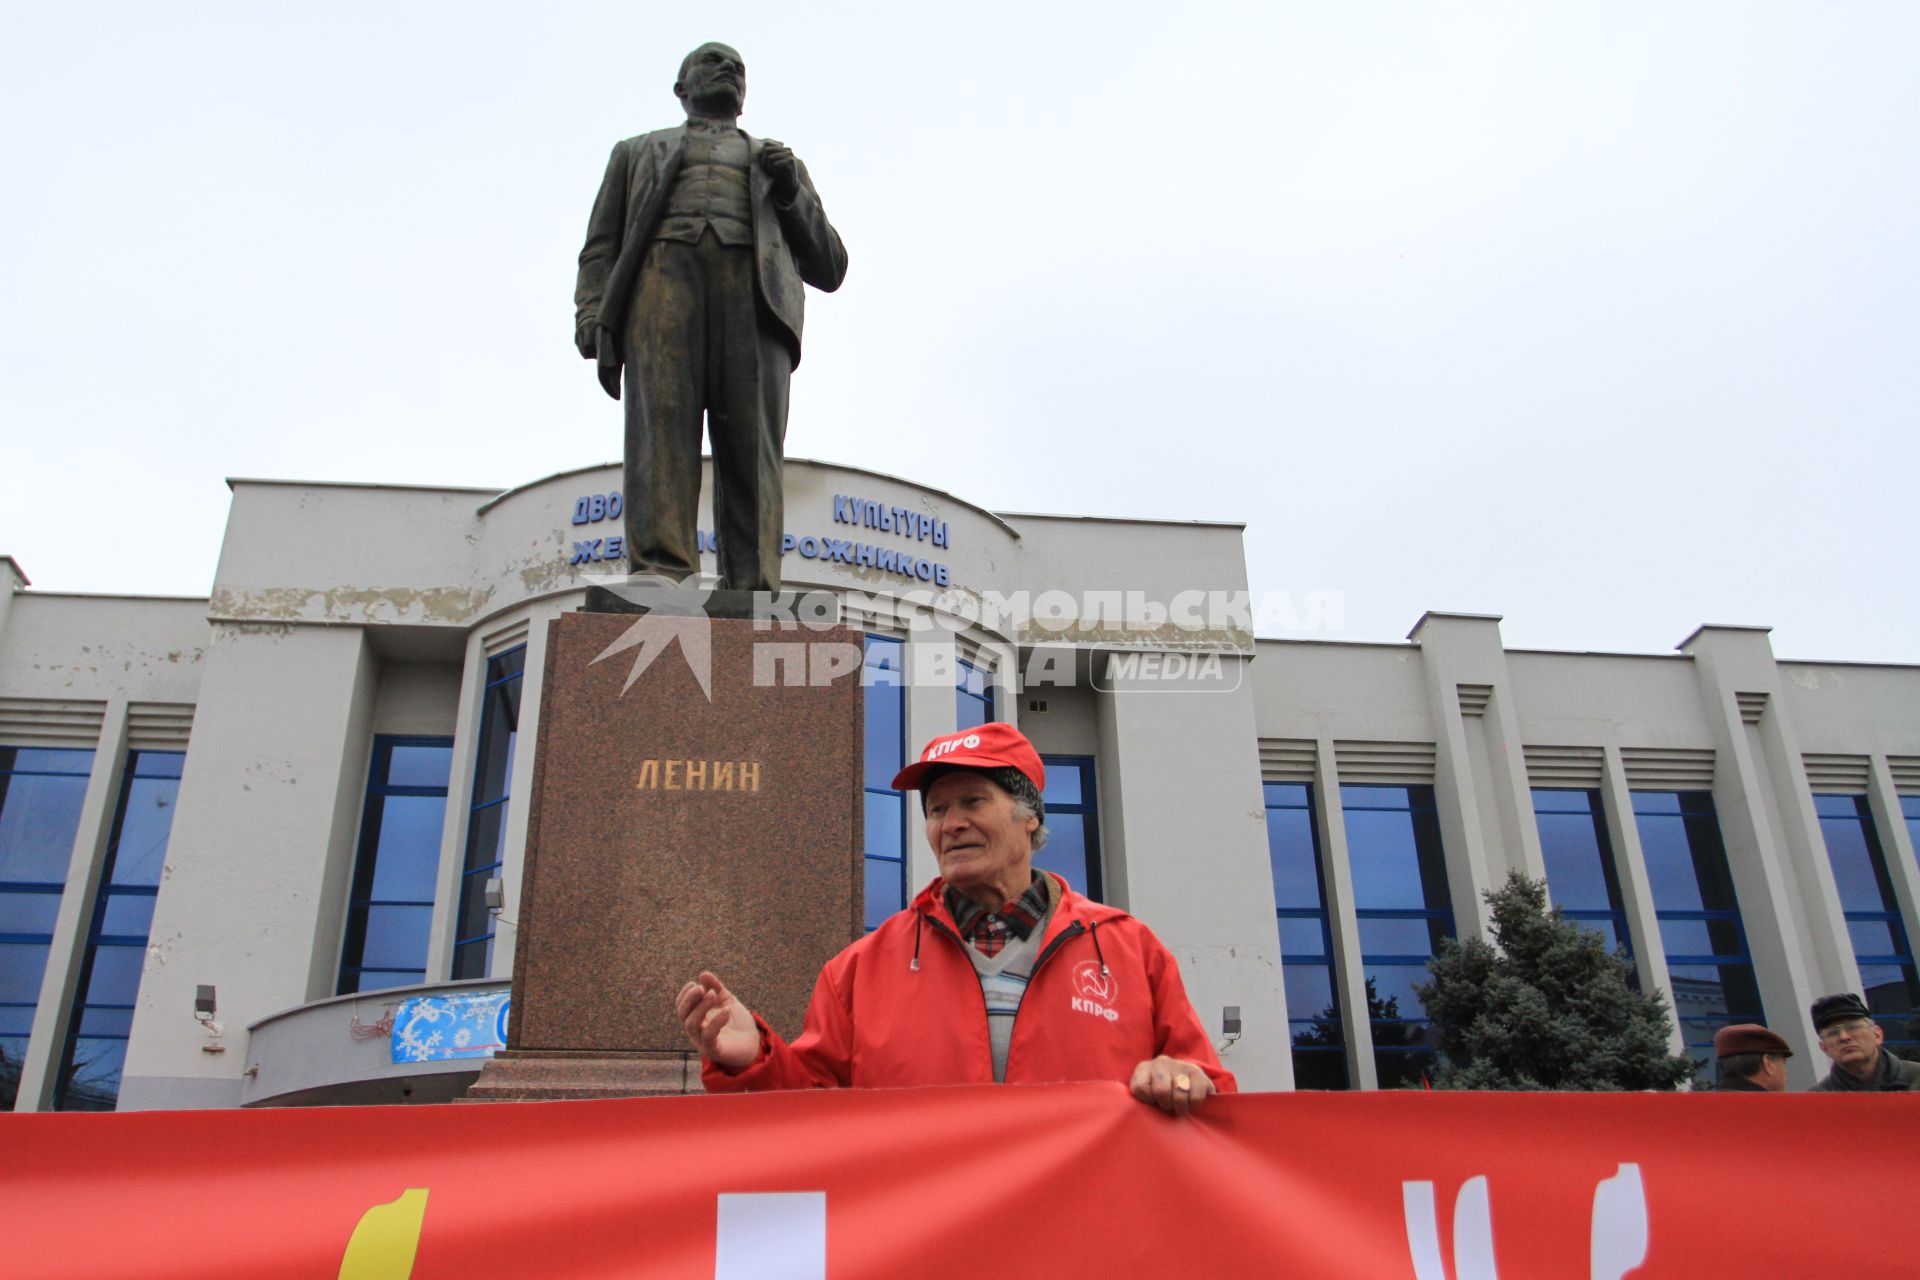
(1751,1059)
(997,972)
(691,281)
(1850,1036)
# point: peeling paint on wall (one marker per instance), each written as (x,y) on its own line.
(455,606)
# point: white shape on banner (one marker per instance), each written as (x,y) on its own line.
(1618,1241)
(1619,1224)
(1472,1232)
(771,1236)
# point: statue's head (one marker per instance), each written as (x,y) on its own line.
(712,81)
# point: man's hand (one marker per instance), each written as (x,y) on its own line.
(1174,1086)
(780,165)
(720,1026)
(608,349)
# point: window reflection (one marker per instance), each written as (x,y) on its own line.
(1579,860)
(487,822)
(884,679)
(41,791)
(1879,937)
(1073,824)
(391,902)
(1403,908)
(1693,898)
(116,950)
(1306,942)
(973,697)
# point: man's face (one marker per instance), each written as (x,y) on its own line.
(1853,1045)
(714,80)
(979,834)
(1773,1073)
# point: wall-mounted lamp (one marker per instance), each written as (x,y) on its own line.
(1229,1025)
(205,1005)
(496,891)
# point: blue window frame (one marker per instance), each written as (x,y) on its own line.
(1306,938)
(122,917)
(973,697)
(487,821)
(1910,810)
(390,910)
(884,678)
(41,792)
(1700,929)
(1580,872)
(1073,824)
(1403,909)
(1880,943)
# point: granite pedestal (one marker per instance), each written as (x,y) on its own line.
(670,833)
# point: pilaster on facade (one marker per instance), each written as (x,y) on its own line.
(60,981)
(1349,970)
(1480,775)
(13,580)
(1188,768)
(268,803)
(1795,926)
(1636,890)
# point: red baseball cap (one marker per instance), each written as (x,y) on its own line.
(990,746)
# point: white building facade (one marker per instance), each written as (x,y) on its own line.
(244,839)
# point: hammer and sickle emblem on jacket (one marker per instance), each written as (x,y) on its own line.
(1090,984)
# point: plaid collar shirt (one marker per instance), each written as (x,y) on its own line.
(988,930)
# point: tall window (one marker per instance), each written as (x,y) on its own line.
(1880,942)
(1306,939)
(1073,824)
(1580,872)
(41,791)
(886,747)
(1910,810)
(1403,909)
(1706,946)
(391,908)
(487,825)
(96,1047)
(973,697)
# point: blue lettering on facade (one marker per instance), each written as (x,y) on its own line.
(866,513)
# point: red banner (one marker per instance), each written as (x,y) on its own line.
(1061,1181)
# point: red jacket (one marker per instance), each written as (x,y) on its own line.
(902,1006)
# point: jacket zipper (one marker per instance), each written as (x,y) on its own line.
(1073,930)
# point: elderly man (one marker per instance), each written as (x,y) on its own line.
(1751,1059)
(1852,1039)
(996,972)
(691,277)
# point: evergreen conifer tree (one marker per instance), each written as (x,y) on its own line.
(1548,1008)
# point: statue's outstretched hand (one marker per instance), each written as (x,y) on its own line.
(780,165)
(608,349)
(719,1026)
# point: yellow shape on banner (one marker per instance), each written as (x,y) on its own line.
(383,1245)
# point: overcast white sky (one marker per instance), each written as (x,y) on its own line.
(1603,317)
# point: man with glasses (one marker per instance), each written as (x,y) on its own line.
(1853,1039)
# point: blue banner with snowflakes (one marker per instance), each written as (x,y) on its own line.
(437,1028)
